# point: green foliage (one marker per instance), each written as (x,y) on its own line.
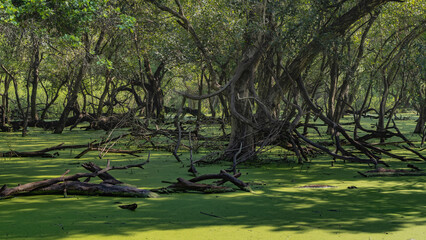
(8,12)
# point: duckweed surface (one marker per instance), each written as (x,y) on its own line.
(379,208)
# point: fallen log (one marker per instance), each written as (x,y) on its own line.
(27,154)
(92,189)
(30,187)
(183,185)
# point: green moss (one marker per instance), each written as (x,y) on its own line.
(380,208)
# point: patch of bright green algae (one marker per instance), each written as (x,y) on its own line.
(379,208)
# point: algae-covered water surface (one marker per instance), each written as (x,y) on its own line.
(378,208)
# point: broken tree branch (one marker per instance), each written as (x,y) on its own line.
(192,184)
(29,187)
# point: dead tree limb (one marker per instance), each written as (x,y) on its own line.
(106,177)
(402,158)
(130,152)
(183,185)
(415,152)
(178,127)
(192,184)
(26,154)
(83,188)
(29,187)
(234,159)
(348,158)
(192,168)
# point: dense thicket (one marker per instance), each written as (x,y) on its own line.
(265,67)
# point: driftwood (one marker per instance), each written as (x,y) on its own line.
(71,184)
(183,185)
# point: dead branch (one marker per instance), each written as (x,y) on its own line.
(414,167)
(415,152)
(106,177)
(234,159)
(402,158)
(178,127)
(183,185)
(348,158)
(26,154)
(29,187)
(192,184)
(192,168)
(130,152)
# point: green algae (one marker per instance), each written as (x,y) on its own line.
(380,208)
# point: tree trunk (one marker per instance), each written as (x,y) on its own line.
(421,122)
(5,102)
(50,103)
(18,101)
(155,95)
(332,94)
(242,135)
(72,99)
(108,80)
(241,131)
(35,80)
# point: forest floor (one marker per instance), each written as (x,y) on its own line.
(378,208)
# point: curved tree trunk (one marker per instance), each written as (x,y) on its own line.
(242,93)
(72,99)
(155,95)
(35,80)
